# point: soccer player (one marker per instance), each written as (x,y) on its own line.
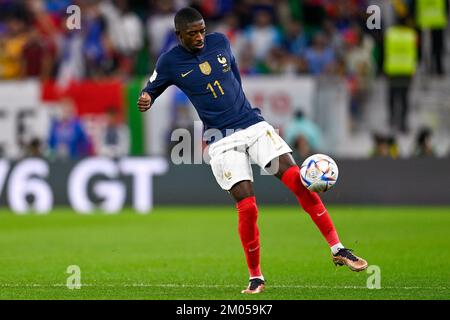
(204,68)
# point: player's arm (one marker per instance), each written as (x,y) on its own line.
(158,82)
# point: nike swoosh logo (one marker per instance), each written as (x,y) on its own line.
(322,213)
(185,74)
(251,250)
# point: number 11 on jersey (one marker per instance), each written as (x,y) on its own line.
(216,84)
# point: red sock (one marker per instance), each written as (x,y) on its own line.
(249,234)
(312,204)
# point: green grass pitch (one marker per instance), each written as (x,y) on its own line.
(194,253)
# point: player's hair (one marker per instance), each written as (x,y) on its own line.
(185,16)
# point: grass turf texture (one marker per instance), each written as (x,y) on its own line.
(195,253)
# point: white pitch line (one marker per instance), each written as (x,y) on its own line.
(173,285)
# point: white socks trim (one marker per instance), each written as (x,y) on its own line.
(336,247)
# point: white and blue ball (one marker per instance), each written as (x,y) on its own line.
(319,173)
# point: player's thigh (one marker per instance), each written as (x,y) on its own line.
(230,167)
(266,150)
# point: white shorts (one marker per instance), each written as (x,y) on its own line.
(231,156)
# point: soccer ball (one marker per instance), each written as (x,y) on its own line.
(319,173)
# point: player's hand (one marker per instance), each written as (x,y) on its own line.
(144,102)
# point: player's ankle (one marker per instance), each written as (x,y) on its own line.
(335,248)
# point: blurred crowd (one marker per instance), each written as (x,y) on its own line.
(72,137)
(122,38)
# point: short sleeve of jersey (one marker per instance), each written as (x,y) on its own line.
(160,78)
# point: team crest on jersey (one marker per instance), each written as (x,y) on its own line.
(205,68)
(223,61)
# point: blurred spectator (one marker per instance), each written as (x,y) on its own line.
(385,146)
(160,25)
(313,14)
(302,148)
(97,58)
(67,137)
(114,138)
(71,59)
(320,58)
(230,27)
(214,10)
(303,135)
(244,12)
(279,61)
(12,45)
(400,60)
(40,53)
(246,61)
(262,35)
(125,31)
(346,12)
(433,15)
(34,148)
(124,26)
(242,50)
(36,60)
(295,40)
(424,147)
(335,38)
(360,69)
(55,7)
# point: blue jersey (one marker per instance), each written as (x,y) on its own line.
(210,78)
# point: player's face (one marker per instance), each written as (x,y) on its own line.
(193,36)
